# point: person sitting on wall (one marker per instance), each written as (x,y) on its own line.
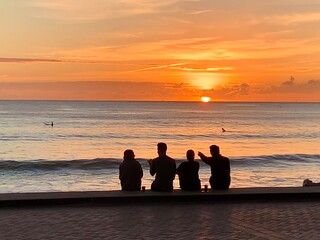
(220,168)
(164,167)
(188,173)
(130,172)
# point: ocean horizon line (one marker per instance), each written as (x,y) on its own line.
(149,101)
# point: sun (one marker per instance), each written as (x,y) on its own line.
(205,99)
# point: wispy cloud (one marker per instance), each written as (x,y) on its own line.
(154,67)
(86,11)
(200,12)
(209,69)
(45,60)
(176,66)
(293,18)
(179,48)
(26,60)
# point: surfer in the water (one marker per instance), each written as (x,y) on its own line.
(309,183)
(48,124)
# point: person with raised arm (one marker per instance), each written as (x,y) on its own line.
(220,168)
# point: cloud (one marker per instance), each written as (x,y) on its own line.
(289,82)
(288,19)
(88,11)
(155,67)
(26,60)
(141,91)
(209,69)
(115,90)
(230,91)
(313,83)
(240,89)
(307,91)
(291,87)
(168,49)
(296,18)
(200,12)
(43,60)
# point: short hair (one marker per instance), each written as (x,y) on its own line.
(215,148)
(162,147)
(190,154)
(128,153)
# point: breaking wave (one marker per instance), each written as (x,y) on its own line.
(112,163)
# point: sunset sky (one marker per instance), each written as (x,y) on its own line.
(168,50)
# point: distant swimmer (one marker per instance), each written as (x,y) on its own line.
(48,124)
(223,130)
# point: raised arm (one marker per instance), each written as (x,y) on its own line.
(204,158)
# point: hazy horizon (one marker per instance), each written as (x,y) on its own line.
(178,101)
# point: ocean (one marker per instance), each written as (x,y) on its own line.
(269,144)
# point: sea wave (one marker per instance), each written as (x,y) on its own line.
(229,134)
(41,164)
(272,160)
(113,164)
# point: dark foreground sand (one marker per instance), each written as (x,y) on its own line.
(256,213)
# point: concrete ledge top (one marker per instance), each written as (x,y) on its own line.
(266,193)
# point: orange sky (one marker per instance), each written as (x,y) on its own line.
(160,50)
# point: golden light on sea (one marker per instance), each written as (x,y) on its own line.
(205,99)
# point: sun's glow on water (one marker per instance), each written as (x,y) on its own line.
(205,99)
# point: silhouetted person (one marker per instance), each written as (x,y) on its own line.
(164,167)
(220,168)
(130,172)
(48,123)
(188,173)
(309,183)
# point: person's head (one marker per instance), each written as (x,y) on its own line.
(128,154)
(214,150)
(190,155)
(162,148)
